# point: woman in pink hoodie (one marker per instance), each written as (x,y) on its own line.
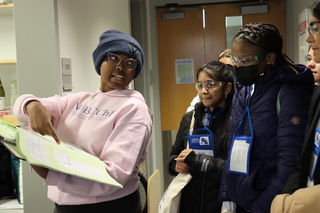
(112,124)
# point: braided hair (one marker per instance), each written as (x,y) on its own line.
(268,37)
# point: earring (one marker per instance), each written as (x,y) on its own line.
(225,95)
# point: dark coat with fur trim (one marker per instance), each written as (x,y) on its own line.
(277,138)
(201,193)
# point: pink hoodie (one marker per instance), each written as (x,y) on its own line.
(114,126)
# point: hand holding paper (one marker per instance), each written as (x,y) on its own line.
(44,154)
(41,120)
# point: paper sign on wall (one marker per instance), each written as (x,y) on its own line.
(184,71)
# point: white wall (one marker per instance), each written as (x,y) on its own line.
(80,25)
(38,67)
(7,41)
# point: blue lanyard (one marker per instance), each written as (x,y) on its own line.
(245,114)
(206,128)
(210,118)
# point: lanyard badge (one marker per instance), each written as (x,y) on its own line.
(239,156)
(202,144)
(315,154)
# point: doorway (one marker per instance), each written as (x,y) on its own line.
(196,32)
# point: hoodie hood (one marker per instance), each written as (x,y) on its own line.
(303,77)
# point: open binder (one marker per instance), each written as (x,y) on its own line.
(45,152)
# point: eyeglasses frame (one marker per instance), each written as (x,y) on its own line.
(311,25)
(221,84)
(256,58)
(121,59)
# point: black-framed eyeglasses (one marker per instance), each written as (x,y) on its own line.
(209,85)
(129,64)
(312,29)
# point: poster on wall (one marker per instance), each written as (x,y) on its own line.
(303,33)
(184,69)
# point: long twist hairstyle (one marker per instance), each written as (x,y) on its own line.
(268,37)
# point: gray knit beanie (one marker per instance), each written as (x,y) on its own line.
(115,41)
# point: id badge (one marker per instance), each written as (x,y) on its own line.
(202,144)
(239,157)
(315,154)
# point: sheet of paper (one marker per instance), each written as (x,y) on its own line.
(41,151)
(184,69)
(239,156)
(7,130)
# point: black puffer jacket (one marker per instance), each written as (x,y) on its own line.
(201,193)
(300,174)
(278,136)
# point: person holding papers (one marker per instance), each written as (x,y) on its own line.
(113,124)
(268,118)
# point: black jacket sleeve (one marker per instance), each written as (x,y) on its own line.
(180,143)
(293,182)
(205,165)
(300,172)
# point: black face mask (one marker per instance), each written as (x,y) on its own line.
(247,75)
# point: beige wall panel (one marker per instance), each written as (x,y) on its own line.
(215,32)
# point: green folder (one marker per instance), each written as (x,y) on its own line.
(45,152)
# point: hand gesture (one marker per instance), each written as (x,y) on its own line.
(181,166)
(41,120)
